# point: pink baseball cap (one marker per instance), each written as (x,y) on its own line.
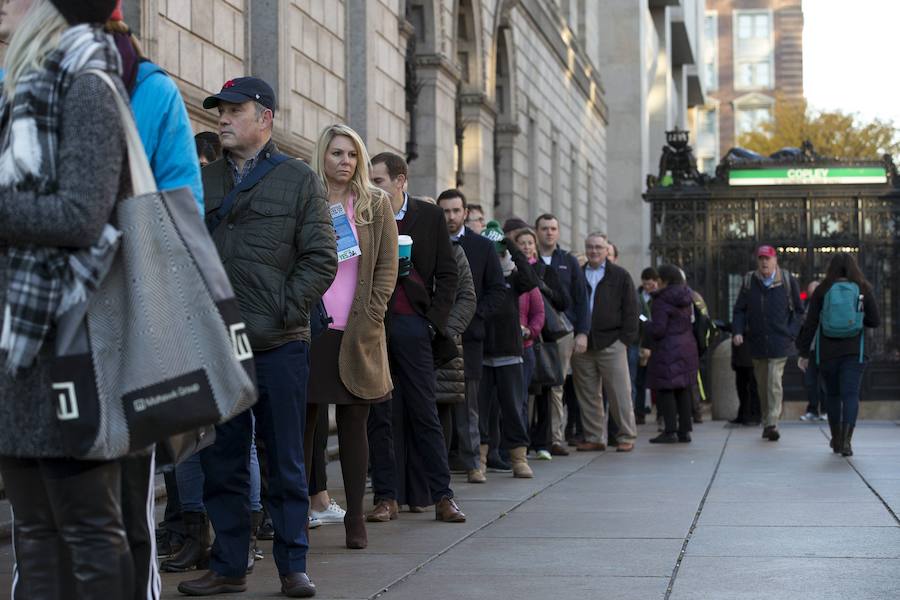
(766,251)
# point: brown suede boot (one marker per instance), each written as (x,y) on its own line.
(355,532)
(520,463)
(485,448)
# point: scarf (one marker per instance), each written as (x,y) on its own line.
(45,281)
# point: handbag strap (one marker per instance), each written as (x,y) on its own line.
(253,177)
(142,180)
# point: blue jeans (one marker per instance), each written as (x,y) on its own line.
(843,378)
(189,475)
(638,389)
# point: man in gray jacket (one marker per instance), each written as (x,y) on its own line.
(277,242)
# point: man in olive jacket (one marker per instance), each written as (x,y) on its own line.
(278,246)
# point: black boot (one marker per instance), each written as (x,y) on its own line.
(836,438)
(195,552)
(846,436)
(256,519)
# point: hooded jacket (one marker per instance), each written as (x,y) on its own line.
(673,362)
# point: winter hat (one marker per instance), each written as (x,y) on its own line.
(493,232)
(85,11)
(117,14)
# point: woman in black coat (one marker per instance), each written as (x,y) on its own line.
(674,363)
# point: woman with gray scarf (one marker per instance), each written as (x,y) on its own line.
(62,169)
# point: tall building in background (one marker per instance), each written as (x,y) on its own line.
(752,57)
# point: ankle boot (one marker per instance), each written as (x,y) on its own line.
(195,552)
(484,454)
(355,532)
(256,519)
(846,436)
(836,439)
(520,466)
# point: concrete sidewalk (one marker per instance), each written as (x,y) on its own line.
(729,516)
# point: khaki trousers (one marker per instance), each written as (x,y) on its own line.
(769,373)
(566,346)
(590,372)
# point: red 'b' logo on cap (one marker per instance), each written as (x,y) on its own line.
(228,84)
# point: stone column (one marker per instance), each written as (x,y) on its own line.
(361,15)
(435,169)
(478,149)
(505,136)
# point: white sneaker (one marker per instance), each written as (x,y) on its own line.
(333,514)
(314,522)
(823,417)
(544,455)
(809,417)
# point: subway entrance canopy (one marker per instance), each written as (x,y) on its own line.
(808,207)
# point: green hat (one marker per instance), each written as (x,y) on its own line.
(494,232)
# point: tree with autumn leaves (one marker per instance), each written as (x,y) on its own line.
(833,134)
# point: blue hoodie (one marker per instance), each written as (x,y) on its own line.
(165,131)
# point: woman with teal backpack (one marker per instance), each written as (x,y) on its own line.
(834,336)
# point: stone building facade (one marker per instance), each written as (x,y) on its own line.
(502,98)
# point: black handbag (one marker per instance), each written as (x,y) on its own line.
(556,324)
(547,366)
(175,449)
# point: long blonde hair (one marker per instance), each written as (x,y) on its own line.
(366,193)
(35,37)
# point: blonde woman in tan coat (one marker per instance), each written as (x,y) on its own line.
(349,363)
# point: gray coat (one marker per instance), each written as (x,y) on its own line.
(451,380)
(92,176)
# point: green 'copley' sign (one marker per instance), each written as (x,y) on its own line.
(806,176)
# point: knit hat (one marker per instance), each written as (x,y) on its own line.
(85,11)
(514,223)
(493,232)
(117,14)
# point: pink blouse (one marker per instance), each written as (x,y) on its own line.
(338,298)
(531,314)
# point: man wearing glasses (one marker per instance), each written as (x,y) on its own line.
(475,218)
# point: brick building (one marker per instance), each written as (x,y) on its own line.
(753,57)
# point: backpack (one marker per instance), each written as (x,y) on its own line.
(842,314)
(702,325)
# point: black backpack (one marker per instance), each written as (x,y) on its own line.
(703,327)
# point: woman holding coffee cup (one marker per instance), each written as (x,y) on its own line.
(349,361)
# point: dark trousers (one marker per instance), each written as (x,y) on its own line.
(281,375)
(539,430)
(843,378)
(315,447)
(676,402)
(465,416)
(748,395)
(574,426)
(503,387)
(138,505)
(172,516)
(815,389)
(528,366)
(405,434)
(638,377)
(445,414)
(69,538)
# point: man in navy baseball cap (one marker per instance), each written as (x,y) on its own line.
(243,89)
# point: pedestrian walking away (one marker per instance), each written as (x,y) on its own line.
(834,337)
(768,312)
(269,219)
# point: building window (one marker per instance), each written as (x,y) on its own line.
(754,55)
(711,51)
(754,75)
(707,164)
(749,119)
(753,26)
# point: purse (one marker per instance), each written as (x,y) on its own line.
(547,366)
(556,324)
(159,349)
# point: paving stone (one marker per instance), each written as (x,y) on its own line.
(800,541)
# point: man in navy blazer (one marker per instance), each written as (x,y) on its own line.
(490,287)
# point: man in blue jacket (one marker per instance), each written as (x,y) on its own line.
(571,279)
(768,311)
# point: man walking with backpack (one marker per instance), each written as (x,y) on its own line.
(769,313)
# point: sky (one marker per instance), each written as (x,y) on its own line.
(849,59)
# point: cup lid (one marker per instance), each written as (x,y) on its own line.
(405,240)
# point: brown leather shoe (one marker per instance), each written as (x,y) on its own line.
(355,532)
(384,511)
(297,585)
(447,510)
(558,450)
(590,447)
(625,447)
(212,584)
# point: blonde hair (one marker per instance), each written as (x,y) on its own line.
(35,37)
(366,193)
(122,27)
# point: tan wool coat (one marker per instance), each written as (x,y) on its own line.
(363,362)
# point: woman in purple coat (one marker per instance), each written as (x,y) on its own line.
(673,360)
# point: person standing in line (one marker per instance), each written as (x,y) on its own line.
(350,358)
(277,242)
(674,361)
(209,148)
(816,409)
(490,291)
(571,279)
(601,359)
(67,513)
(839,312)
(649,284)
(419,309)
(768,309)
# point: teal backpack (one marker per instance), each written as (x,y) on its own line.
(842,314)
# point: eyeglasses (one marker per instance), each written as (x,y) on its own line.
(476,220)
